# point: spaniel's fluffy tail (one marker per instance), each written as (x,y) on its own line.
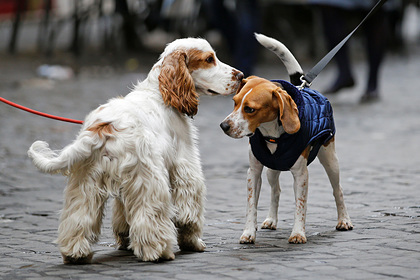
(49,161)
(292,65)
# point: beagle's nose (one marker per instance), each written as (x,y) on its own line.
(239,75)
(225,126)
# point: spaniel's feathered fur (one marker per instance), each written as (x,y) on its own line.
(141,149)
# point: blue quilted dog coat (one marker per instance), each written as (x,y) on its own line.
(317,128)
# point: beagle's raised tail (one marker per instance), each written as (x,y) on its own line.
(292,65)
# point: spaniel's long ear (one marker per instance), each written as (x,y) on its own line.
(176,84)
(289,114)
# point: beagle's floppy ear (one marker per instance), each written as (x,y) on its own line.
(288,111)
(176,84)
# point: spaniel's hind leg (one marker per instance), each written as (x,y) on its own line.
(81,218)
(188,195)
(149,212)
(120,226)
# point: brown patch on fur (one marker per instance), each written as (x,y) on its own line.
(251,193)
(103,129)
(176,84)
(197,59)
(329,142)
(305,152)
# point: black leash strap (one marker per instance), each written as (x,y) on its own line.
(313,73)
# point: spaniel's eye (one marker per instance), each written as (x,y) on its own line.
(210,59)
(249,110)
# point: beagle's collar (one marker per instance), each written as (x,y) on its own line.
(272,140)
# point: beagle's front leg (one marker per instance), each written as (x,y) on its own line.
(273,179)
(253,189)
(300,175)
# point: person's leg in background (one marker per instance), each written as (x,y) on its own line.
(248,22)
(335,30)
(237,27)
(376,44)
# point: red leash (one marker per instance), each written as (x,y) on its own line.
(39,113)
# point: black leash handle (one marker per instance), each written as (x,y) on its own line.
(313,73)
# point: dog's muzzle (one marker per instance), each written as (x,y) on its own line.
(225,126)
(239,75)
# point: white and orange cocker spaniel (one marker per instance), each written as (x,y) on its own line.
(142,150)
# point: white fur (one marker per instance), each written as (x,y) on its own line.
(289,61)
(147,158)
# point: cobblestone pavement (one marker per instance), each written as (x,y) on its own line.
(378,147)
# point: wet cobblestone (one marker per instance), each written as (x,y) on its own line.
(377,145)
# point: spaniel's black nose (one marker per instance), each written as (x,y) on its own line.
(239,76)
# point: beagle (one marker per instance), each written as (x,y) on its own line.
(288,127)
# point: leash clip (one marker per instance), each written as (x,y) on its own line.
(304,83)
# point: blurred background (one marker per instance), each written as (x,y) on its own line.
(115,35)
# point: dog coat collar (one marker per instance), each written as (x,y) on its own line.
(317,128)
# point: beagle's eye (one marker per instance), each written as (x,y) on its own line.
(249,110)
(210,59)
